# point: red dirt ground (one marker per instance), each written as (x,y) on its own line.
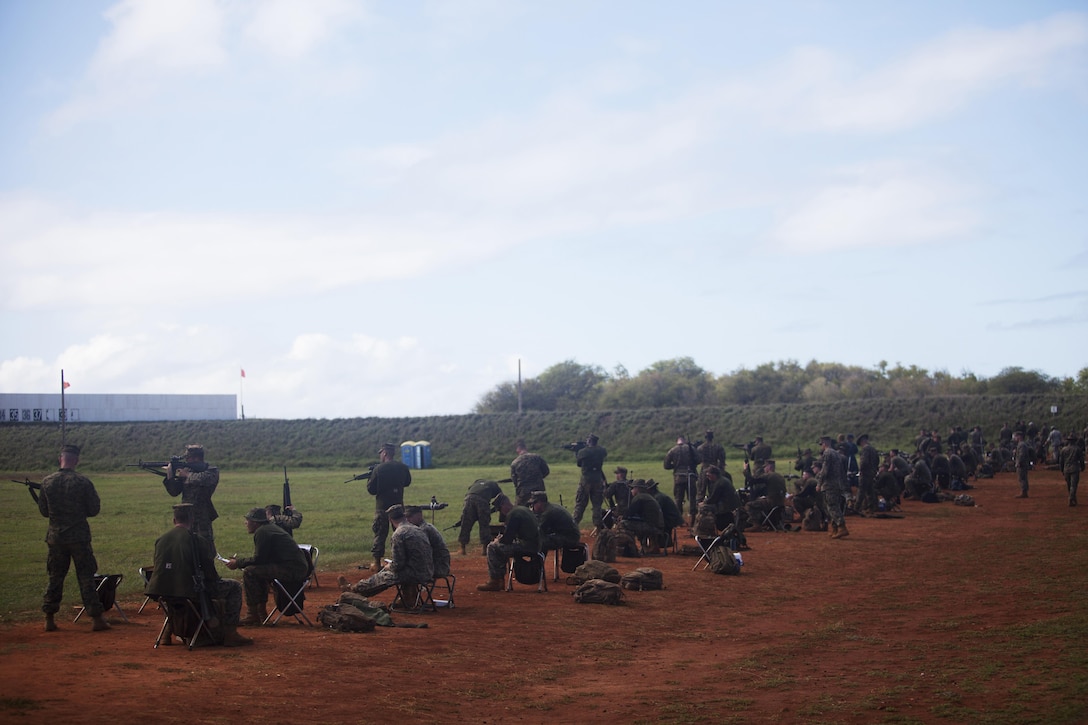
(896,623)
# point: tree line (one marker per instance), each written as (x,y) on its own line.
(680,382)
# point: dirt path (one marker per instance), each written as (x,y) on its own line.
(950,614)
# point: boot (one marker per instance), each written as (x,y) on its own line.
(834,531)
(100,624)
(376,566)
(231,638)
(841,532)
(254,616)
(344,584)
(464,551)
(51,625)
(492,585)
(167,638)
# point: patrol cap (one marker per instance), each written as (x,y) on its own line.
(536,496)
(713,471)
(412,510)
(863,437)
(620,469)
(257,514)
(387,447)
(182,507)
(195,449)
(638,483)
(592,439)
(395,512)
(73,450)
(825,439)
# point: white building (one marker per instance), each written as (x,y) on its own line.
(110,408)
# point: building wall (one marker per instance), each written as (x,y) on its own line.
(110,408)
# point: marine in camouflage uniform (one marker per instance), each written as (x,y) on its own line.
(645,520)
(591,485)
(521,536)
(287,519)
(527,472)
(773,488)
(831,482)
(618,494)
(710,453)
(682,460)
(920,480)
(1024,457)
(68,499)
(760,453)
(386,484)
(196,486)
(440,552)
(412,561)
(1071,461)
(868,465)
(477,510)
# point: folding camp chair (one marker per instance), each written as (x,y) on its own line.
(528,568)
(106,587)
(773,519)
(414,598)
(311,552)
(706,544)
(287,603)
(145,574)
(448,583)
(184,619)
(572,558)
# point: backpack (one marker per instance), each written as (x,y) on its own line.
(644,578)
(598,591)
(626,545)
(604,549)
(722,561)
(964,499)
(594,569)
(345,618)
(814,520)
(704,522)
(368,609)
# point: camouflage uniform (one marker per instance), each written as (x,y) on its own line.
(68,499)
(591,485)
(197,489)
(288,521)
(682,460)
(387,483)
(710,453)
(645,520)
(868,465)
(1024,457)
(773,486)
(920,480)
(557,528)
(412,563)
(618,494)
(760,454)
(1071,460)
(522,536)
(831,481)
(477,509)
(440,553)
(528,472)
(275,556)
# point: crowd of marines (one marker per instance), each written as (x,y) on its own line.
(844,477)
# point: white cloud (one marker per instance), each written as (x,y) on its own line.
(882,205)
(291,29)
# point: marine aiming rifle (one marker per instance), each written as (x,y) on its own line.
(363,476)
(746,447)
(166,468)
(575,446)
(31,487)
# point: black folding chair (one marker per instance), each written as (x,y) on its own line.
(106,587)
(572,558)
(529,569)
(183,618)
(288,603)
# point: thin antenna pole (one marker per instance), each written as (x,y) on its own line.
(63,413)
(519,386)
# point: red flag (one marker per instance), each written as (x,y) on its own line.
(243,372)
(68,384)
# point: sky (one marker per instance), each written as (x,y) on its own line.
(382,208)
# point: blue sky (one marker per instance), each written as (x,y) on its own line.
(378,208)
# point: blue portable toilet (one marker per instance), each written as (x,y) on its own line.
(423,453)
(408,453)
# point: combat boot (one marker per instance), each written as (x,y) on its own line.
(834,531)
(254,616)
(464,551)
(492,585)
(51,625)
(100,624)
(231,638)
(841,532)
(343,583)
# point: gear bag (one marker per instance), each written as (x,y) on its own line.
(598,591)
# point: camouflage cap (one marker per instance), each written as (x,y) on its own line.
(620,469)
(71,449)
(413,510)
(863,437)
(538,496)
(194,449)
(182,506)
(395,512)
(257,514)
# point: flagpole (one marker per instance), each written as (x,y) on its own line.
(63,413)
(241,392)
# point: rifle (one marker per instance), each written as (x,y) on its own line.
(505,480)
(744,447)
(198,581)
(363,476)
(175,462)
(286,490)
(31,487)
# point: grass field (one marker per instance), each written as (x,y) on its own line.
(136,510)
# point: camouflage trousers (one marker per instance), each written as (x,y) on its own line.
(379,582)
(202,526)
(380,528)
(589,491)
(867,500)
(834,504)
(1022,478)
(257,579)
(230,592)
(57,562)
(477,510)
(1071,482)
(683,485)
